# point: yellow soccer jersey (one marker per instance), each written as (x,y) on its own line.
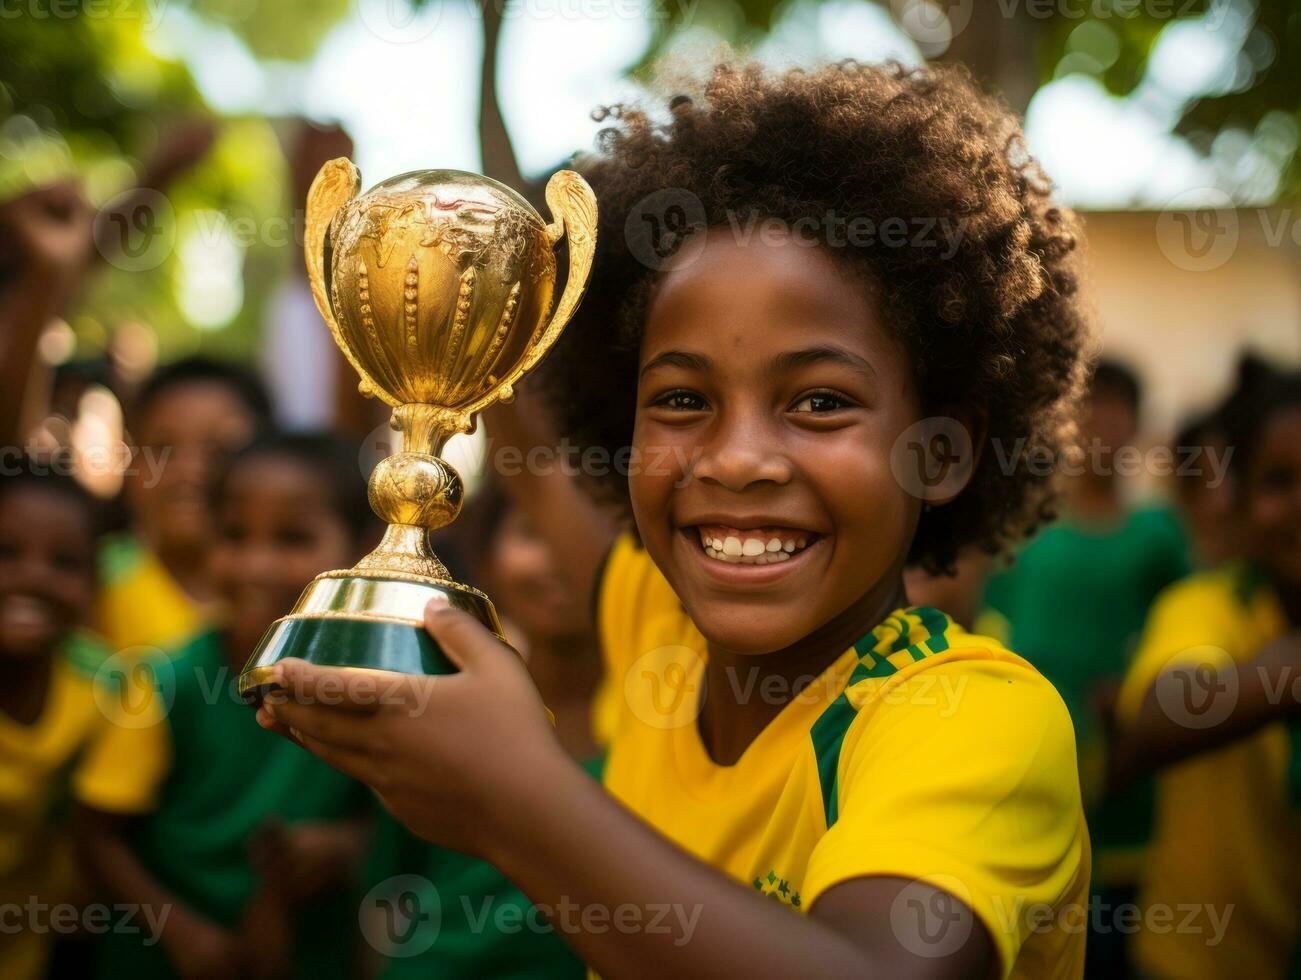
(1226,851)
(923,752)
(139,603)
(95,742)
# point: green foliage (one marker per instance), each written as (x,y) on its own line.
(280,30)
(1263,99)
(83,92)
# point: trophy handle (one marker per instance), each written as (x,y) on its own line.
(336,183)
(573,206)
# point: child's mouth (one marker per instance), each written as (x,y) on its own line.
(768,545)
(28,614)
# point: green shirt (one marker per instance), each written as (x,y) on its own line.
(484,926)
(1075,602)
(228,778)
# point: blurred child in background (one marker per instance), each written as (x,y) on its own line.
(1205,505)
(1075,601)
(487,925)
(1208,701)
(1203,484)
(254,842)
(57,740)
(158,590)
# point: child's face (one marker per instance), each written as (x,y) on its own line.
(527,585)
(277,529)
(195,425)
(1272,498)
(47,561)
(1109,423)
(769,400)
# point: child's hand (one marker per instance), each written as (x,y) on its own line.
(45,236)
(306,858)
(454,758)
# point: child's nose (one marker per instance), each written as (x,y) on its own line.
(737,463)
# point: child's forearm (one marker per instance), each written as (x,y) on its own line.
(634,904)
(113,863)
(1206,711)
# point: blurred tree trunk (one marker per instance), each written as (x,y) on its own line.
(499,161)
(998,45)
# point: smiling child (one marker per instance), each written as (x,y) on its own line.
(59,738)
(254,845)
(808,776)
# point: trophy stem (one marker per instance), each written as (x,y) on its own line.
(405,549)
(426,428)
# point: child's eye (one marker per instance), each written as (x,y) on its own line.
(820,402)
(232,533)
(680,400)
(296,537)
(67,561)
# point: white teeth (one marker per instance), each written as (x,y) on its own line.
(750,551)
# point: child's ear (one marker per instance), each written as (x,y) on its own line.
(935,457)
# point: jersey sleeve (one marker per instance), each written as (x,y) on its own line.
(129,754)
(963,776)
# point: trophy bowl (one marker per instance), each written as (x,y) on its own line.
(437,286)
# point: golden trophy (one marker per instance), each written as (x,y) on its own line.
(437,286)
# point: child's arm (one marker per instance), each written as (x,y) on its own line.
(307,858)
(196,947)
(469,761)
(1191,709)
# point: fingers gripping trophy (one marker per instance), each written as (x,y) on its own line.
(437,286)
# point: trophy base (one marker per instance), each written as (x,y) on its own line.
(362,621)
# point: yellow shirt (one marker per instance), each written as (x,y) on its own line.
(95,742)
(140,604)
(923,752)
(1227,836)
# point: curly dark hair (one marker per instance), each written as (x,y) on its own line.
(992,322)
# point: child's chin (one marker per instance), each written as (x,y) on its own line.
(744,632)
(24,645)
